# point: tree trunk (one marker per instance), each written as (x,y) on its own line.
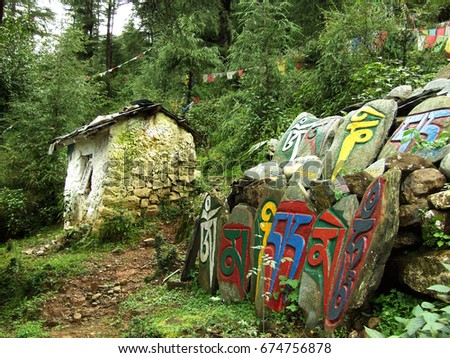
(109,27)
(225,32)
(2,10)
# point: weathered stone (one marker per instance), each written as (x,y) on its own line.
(429,118)
(441,200)
(410,214)
(358,182)
(152,210)
(378,241)
(308,170)
(265,213)
(444,72)
(254,193)
(144,203)
(233,263)
(420,271)
(191,252)
(296,192)
(77,316)
(264,170)
(288,146)
(405,239)
(437,84)
(328,234)
(361,135)
(444,167)
(376,169)
(212,218)
(142,193)
(174,196)
(407,163)
(157,184)
(421,183)
(319,137)
(322,195)
(400,92)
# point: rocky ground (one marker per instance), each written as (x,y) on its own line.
(88,306)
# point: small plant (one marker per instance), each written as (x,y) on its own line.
(433,231)
(119,226)
(428,319)
(413,134)
(388,306)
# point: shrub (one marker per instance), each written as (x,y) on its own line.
(14,215)
(118,226)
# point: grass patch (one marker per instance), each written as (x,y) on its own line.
(190,312)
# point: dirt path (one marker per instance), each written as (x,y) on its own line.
(87,306)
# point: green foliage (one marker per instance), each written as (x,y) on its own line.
(32,329)
(188,312)
(427,320)
(422,144)
(433,232)
(166,256)
(14,215)
(118,226)
(389,306)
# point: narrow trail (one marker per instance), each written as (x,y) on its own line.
(87,306)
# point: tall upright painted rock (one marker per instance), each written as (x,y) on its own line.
(233,263)
(368,245)
(212,218)
(361,135)
(324,251)
(264,217)
(286,246)
(429,119)
(319,137)
(288,146)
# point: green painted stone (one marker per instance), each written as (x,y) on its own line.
(430,118)
(361,135)
(314,279)
(319,137)
(233,263)
(288,146)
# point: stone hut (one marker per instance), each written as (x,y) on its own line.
(130,160)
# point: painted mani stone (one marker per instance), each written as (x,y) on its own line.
(430,119)
(233,262)
(264,216)
(286,245)
(289,144)
(319,137)
(212,218)
(364,252)
(361,135)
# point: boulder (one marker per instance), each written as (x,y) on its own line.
(437,84)
(289,144)
(420,271)
(263,170)
(361,135)
(358,182)
(322,194)
(444,167)
(421,183)
(430,118)
(319,137)
(407,163)
(304,170)
(376,169)
(233,261)
(371,236)
(407,239)
(411,214)
(400,92)
(441,200)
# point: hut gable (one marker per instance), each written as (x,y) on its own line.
(129,160)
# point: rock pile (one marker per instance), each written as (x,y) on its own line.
(316,226)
